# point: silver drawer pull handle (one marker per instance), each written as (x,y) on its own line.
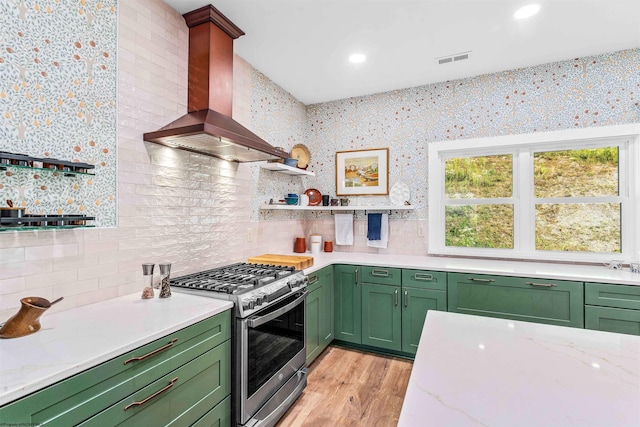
(312,280)
(475,279)
(395,298)
(356,276)
(422,276)
(406,298)
(156,351)
(542,285)
(142,402)
(380,273)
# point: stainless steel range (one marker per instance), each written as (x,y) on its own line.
(269,370)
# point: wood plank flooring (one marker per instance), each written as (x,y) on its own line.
(351,388)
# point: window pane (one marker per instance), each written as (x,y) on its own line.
(478,177)
(584,227)
(479,226)
(571,173)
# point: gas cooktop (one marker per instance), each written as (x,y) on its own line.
(250,286)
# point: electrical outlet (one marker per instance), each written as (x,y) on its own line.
(395,229)
(249,234)
(361,229)
(420,230)
(314,228)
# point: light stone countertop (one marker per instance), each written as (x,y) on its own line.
(480,371)
(557,271)
(74,340)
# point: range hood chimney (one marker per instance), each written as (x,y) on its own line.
(208,128)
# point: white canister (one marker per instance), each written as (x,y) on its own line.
(303,200)
(315,248)
(317,238)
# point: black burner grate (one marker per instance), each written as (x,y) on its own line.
(233,278)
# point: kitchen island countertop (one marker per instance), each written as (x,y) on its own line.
(481,371)
(74,340)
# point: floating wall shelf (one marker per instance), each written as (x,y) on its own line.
(289,170)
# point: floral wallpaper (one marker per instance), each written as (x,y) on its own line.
(600,90)
(58,100)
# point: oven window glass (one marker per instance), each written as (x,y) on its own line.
(273,344)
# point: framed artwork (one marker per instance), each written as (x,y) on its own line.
(362,172)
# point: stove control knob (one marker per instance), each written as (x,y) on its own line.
(259,300)
(249,304)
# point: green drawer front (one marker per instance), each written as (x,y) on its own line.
(77,398)
(436,280)
(608,319)
(220,416)
(197,387)
(555,302)
(381,275)
(607,295)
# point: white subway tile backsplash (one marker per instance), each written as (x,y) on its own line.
(50,251)
(49,279)
(8,255)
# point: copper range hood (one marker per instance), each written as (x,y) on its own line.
(208,128)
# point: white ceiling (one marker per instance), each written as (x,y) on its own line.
(303,45)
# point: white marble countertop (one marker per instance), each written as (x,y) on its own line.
(557,271)
(74,340)
(481,371)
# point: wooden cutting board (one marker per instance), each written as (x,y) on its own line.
(299,262)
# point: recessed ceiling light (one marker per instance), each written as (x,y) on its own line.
(357,58)
(526,11)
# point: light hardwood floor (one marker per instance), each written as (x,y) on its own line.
(351,388)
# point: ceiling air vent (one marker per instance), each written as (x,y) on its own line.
(453,58)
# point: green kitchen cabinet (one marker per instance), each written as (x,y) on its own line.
(421,291)
(612,308)
(175,380)
(348,303)
(381,311)
(319,312)
(381,316)
(555,302)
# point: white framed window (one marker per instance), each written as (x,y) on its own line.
(565,196)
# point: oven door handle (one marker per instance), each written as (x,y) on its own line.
(255,321)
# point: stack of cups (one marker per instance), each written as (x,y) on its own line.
(316,243)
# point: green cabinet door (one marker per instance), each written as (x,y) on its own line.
(325,325)
(347,304)
(381,316)
(313,315)
(415,304)
(556,302)
(319,312)
(620,320)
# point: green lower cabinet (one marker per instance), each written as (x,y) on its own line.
(555,302)
(612,308)
(347,304)
(381,316)
(319,312)
(620,320)
(312,340)
(326,324)
(415,304)
(180,398)
(180,378)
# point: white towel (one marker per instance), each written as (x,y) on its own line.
(344,229)
(384,234)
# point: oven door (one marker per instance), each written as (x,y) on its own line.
(271,350)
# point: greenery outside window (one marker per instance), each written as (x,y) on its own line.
(568,195)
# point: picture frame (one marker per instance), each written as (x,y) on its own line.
(362,172)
